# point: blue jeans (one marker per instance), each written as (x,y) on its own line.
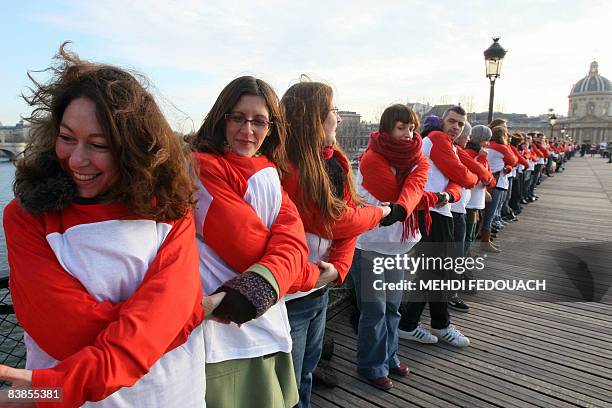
(377,339)
(526,184)
(491,208)
(307,320)
(500,204)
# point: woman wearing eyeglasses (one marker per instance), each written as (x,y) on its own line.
(320,182)
(252,247)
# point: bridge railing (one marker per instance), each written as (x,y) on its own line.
(12,348)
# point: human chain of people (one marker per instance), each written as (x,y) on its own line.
(151,271)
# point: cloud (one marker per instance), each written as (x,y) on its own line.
(373,53)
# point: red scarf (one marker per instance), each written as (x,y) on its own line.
(327,152)
(402,155)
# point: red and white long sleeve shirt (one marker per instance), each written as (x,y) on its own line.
(110,305)
(245,221)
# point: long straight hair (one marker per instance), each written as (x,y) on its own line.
(307,104)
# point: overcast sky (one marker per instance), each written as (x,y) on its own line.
(373,53)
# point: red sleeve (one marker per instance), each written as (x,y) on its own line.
(454,189)
(519,157)
(374,169)
(414,186)
(354,221)
(287,252)
(146,327)
(536,151)
(37,280)
(473,165)
(75,313)
(509,157)
(448,163)
(429,199)
(228,215)
(341,256)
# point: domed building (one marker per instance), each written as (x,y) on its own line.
(589,115)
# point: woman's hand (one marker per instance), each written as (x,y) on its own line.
(386,209)
(443,198)
(16,376)
(328,274)
(210,303)
(19,378)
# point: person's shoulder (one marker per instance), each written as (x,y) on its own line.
(438,137)
(370,157)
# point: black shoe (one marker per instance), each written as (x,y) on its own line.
(324,374)
(523,201)
(456,303)
(328,348)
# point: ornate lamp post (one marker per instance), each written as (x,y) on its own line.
(493,60)
(552,120)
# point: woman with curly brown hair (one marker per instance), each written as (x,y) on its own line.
(104,268)
(321,183)
(252,246)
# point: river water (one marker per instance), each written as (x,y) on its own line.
(7,175)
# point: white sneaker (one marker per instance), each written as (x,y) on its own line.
(452,336)
(420,334)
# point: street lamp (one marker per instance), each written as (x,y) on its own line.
(493,60)
(552,120)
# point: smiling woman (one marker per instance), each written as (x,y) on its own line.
(83,150)
(100,237)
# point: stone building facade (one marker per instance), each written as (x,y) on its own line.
(589,114)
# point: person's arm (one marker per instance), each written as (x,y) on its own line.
(510,158)
(454,190)
(47,299)
(414,186)
(253,247)
(474,166)
(341,256)
(353,220)
(145,329)
(356,221)
(519,157)
(375,171)
(287,251)
(445,159)
(228,215)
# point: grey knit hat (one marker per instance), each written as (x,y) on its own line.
(467,130)
(480,133)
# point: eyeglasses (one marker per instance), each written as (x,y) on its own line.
(239,119)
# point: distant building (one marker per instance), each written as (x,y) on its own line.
(419,108)
(589,113)
(347,134)
(19,133)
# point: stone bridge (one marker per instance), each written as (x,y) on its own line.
(11,150)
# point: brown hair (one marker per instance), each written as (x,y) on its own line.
(497,122)
(154,173)
(211,135)
(499,135)
(397,113)
(307,104)
(517,139)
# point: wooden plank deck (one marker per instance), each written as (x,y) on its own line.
(525,350)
